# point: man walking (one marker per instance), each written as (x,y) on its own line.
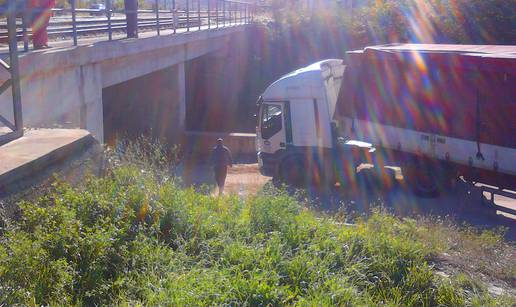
(221,159)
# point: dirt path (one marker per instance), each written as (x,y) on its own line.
(245,179)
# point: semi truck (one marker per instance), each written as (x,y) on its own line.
(436,111)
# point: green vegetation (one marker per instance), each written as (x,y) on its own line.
(366,22)
(134,236)
(296,36)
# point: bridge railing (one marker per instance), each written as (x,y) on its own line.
(105,21)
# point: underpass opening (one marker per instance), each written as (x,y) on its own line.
(223,87)
(151,106)
(221,93)
(218,96)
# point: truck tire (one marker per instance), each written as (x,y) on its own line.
(292,171)
(422,179)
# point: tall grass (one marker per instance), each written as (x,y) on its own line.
(132,237)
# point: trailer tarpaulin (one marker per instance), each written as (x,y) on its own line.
(461,91)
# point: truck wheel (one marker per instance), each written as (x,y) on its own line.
(422,179)
(292,171)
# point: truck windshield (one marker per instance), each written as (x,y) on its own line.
(271,120)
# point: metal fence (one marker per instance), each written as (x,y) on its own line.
(187,15)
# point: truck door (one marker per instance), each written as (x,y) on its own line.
(272,127)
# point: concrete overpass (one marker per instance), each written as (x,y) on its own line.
(63,87)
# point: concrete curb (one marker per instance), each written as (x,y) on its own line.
(32,167)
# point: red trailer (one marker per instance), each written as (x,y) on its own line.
(445,110)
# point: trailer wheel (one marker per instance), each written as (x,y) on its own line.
(292,171)
(422,179)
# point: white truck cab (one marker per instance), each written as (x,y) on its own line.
(294,129)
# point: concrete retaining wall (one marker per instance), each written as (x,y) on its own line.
(242,145)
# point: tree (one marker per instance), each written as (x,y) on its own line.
(389,21)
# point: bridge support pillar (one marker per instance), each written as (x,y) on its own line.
(90,95)
(181,94)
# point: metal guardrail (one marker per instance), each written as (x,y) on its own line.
(75,23)
(16,125)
